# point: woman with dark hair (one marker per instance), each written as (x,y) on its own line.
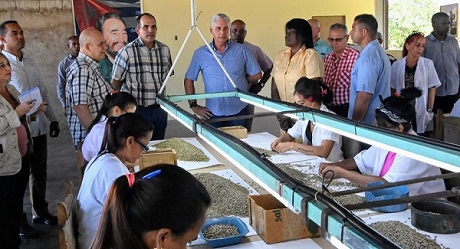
(378,165)
(163,206)
(14,161)
(416,71)
(298,60)
(317,141)
(115,104)
(125,138)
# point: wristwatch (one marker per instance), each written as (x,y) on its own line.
(193,104)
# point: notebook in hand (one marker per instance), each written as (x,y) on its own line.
(31,95)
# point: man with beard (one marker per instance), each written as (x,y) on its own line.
(113,28)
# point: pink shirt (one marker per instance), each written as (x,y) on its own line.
(22,139)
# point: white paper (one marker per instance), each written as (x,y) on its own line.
(188,165)
(264,139)
(31,95)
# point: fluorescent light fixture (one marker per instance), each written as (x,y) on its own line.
(384,146)
(177,118)
(260,105)
(336,242)
(250,174)
(268,108)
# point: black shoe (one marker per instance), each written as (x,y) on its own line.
(49,220)
(27,232)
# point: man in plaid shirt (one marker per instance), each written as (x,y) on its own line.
(338,65)
(140,68)
(86,88)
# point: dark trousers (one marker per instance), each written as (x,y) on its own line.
(157,117)
(341,110)
(12,189)
(231,122)
(38,175)
(445,103)
(248,122)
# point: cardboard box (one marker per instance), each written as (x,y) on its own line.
(153,157)
(236,131)
(274,222)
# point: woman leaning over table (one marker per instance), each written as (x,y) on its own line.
(296,61)
(414,70)
(316,141)
(14,161)
(379,165)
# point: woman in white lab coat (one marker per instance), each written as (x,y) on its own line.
(414,70)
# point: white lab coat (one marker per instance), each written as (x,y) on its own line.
(425,77)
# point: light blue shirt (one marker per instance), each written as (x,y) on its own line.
(370,74)
(238,60)
(322,48)
(445,56)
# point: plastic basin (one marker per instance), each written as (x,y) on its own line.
(387,194)
(226,241)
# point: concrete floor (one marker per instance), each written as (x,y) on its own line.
(61,168)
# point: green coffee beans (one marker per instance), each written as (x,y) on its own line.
(185,151)
(220,231)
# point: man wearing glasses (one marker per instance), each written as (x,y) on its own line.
(338,65)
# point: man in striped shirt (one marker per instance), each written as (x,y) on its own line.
(140,69)
(338,65)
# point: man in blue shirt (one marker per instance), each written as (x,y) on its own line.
(237,60)
(444,51)
(322,47)
(371,73)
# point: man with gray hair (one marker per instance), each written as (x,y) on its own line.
(238,61)
(338,65)
(320,46)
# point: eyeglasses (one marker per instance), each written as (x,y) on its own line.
(144,147)
(331,40)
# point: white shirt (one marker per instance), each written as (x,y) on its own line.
(26,76)
(456,110)
(425,78)
(370,162)
(93,140)
(99,176)
(318,135)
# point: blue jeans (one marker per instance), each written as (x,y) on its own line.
(235,122)
(157,117)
